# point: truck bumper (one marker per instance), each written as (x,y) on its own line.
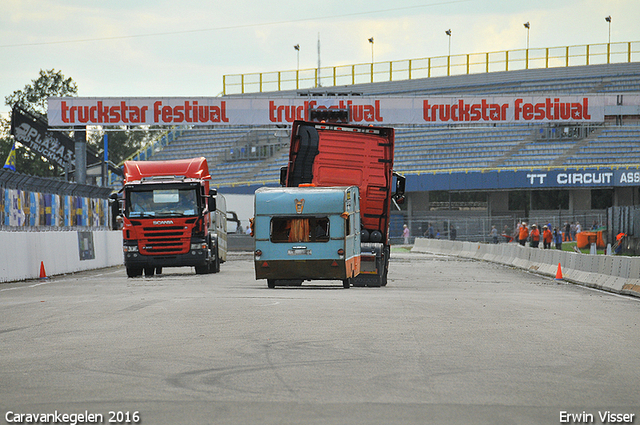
(191,258)
(303,269)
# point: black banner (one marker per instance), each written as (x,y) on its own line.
(33,132)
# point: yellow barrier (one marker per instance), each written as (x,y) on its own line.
(408,69)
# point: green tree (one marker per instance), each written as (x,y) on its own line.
(122,143)
(34,96)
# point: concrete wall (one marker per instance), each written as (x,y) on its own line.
(617,274)
(21,253)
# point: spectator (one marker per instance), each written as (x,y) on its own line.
(567,232)
(405,234)
(578,227)
(595,225)
(452,232)
(535,236)
(572,229)
(430,233)
(524,234)
(506,233)
(494,234)
(557,238)
(547,237)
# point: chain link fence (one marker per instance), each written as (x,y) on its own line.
(477,227)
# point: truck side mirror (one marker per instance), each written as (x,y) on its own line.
(212,202)
(283,176)
(400,185)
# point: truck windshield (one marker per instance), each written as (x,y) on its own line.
(300,229)
(162,203)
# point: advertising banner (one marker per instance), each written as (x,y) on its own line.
(410,110)
(33,133)
(496,180)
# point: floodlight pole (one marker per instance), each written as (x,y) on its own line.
(448,32)
(371,41)
(608,19)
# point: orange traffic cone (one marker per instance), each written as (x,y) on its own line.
(559,273)
(43,274)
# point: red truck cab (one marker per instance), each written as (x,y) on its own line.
(171,218)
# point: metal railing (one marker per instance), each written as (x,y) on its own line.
(408,69)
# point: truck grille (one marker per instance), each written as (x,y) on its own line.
(165,240)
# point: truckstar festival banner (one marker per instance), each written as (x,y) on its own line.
(72,111)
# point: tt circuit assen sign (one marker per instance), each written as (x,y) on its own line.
(510,179)
(72,111)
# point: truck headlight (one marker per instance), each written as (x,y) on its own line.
(130,248)
(201,245)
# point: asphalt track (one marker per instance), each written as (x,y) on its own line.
(448,341)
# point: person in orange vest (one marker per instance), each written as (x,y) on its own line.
(523,234)
(547,237)
(535,236)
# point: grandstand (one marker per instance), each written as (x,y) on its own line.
(454,158)
(442,148)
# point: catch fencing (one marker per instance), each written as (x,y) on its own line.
(30,203)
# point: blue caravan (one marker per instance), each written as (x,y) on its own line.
(307,233)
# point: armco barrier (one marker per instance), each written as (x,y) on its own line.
(21,253)
(617,274)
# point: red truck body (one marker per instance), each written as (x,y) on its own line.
(326,154)
(170,218)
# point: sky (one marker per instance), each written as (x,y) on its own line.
(140,48)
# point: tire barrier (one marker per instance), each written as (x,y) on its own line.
(24,254)
(618,274)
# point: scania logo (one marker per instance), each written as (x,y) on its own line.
(163,222)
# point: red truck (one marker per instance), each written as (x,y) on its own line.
(171,218)
(335,154)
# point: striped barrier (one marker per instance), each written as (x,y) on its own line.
(618,274)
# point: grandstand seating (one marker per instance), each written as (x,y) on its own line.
(612,146)
(436,148)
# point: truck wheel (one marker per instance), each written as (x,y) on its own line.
(271,283)
(216,267)
(346,283)
(134,271)
(158,270)
(202,268)
(148,271)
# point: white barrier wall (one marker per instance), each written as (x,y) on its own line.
(617,274)
(21,253)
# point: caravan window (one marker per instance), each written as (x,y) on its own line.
(299,229)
